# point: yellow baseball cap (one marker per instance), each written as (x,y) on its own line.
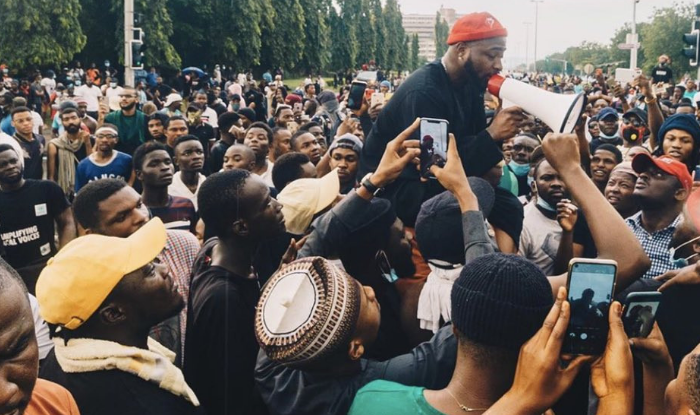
(303,198)
(80,277)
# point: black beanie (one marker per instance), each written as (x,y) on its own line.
(500,300)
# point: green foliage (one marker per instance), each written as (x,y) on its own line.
(39,33)
(395,36)
(283,34)
(344,45)
(415,49)
(366,36)
(315,52)
(442,31)
(379,31)
(664,35)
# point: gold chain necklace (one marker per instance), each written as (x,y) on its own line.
(463,407)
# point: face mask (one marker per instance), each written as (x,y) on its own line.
(113,84)
(680,262)
(236,107)
(632,134)
(544,205)
(605,137)
(519,169)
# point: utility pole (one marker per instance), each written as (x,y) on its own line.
(537,12)
(527,45)
(128,37)
(633,40)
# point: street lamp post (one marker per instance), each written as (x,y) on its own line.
(633,51)
(537,12)
(527,45)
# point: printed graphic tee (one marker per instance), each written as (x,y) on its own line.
(27,222)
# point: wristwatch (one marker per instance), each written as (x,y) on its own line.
(376,191)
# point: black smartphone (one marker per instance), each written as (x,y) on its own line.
(640,313)
(356,94)
(433,144)
(590,287)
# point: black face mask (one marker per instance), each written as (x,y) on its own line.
(632,134)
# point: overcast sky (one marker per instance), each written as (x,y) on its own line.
(562,23)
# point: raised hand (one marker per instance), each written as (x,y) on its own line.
(399,153)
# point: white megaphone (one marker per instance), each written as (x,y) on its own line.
(559,112)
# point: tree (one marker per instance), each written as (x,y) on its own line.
(379,32)
(314,52)
(415,49)
(344,36)
(442,31)
(40,33)
(234,31)
(664,36)
(283,35)
(104,27)
(395,35)
(403,59)
(366,37)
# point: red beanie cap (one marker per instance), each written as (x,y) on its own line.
(476,26)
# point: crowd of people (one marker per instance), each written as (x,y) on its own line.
(224,246)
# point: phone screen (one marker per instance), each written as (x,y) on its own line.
(590,291)
(298,106)
(640,313)
(357,93)
(433,144)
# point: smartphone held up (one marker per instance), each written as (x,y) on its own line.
(433,144)
(590,287)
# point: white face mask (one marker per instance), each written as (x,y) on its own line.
(681,262)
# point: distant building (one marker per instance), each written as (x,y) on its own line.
(424,26)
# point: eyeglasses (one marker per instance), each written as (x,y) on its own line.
(681,262)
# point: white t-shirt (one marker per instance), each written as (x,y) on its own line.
(210,117)
(267,176)
(539,240)
(178,188)
(91,94)
(112,95)
(37,122)
(49,85)
(41,329)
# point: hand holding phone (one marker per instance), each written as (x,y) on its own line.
(356,94)
(433,144)
(640,313)
(590,286)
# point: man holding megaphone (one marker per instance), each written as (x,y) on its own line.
(451,89)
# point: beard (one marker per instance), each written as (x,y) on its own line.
(127,107)
(473,76)
(72,128)
(14,180)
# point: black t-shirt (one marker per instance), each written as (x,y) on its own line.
(107,392)
(33,163)
(216,159)
(661,74)
(220,344)
(256,97)
(204,132)
(27,222)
